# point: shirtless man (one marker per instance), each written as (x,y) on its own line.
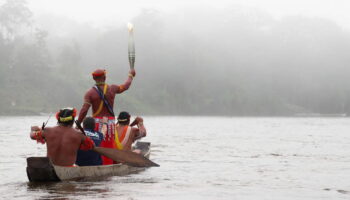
(62,141)
(103,108)
(126,134)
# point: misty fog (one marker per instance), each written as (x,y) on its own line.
(235,61)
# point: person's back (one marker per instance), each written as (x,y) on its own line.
(62,141)
(95,100)
(90,158)
(92,97)
(127,134)
(62,144)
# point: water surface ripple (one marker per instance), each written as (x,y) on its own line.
(203,158)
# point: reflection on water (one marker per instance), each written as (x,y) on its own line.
(203,158)
(99,187)
(60,190)
(134,180)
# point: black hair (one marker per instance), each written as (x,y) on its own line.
(89,123)
(66,113)
(124,118)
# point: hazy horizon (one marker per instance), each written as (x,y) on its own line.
(240,58)
(107,12)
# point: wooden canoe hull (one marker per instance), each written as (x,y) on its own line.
(41,169)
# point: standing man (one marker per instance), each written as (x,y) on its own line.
(62,141)
(101,99)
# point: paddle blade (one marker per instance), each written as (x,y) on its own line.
(127,157)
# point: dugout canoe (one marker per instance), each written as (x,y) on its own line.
(41,169)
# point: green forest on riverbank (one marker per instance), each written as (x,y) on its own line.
(244,65)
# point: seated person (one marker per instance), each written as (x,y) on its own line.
(90,158)
(62,141)
(126,134)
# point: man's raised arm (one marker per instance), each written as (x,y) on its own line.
(127,83)
(140,130)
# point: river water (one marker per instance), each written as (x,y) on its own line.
(203,158)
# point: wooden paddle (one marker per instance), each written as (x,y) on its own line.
(127,157)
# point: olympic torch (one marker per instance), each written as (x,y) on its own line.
(131,49)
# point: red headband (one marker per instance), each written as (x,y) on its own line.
(99,72)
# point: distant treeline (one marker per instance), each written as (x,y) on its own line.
(201,62)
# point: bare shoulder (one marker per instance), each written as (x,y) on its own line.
(48,130)
(89,91)
(114,87)
(52,129)
(78,133)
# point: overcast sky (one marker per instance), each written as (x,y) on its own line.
(102,12)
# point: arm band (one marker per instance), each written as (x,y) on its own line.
(88,144)
(39,137)
(88,103)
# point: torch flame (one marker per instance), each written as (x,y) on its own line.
(130,27)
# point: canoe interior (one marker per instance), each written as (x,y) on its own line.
(41,169)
